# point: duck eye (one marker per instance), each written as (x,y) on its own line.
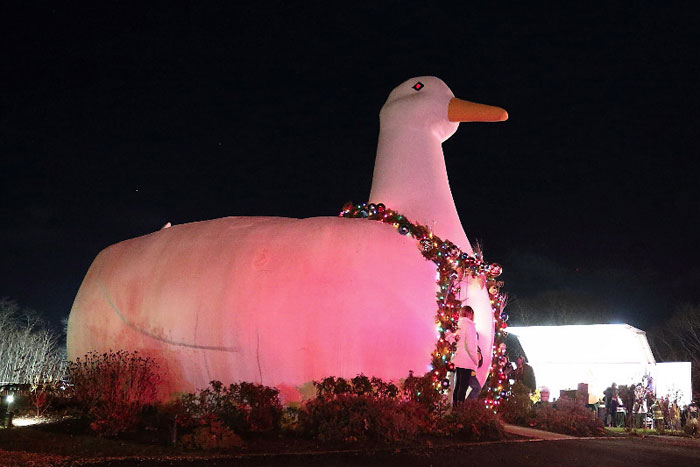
(418,86)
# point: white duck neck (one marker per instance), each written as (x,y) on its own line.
(410,177)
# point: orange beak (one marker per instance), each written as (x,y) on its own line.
(465,111)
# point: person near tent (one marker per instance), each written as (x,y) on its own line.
(628,399)
(611,403)
(675,416)
(693,410)
(525,374)
(684,414)
(658,415)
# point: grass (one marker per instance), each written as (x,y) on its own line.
(622,431)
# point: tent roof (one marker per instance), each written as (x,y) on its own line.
(593,343)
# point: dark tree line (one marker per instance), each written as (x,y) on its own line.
(678,340)
(30,351)
(559,307)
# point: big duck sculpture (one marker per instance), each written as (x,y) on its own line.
(282,301)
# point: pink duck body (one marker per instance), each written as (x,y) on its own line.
(283,301)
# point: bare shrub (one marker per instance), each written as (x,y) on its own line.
(113,388)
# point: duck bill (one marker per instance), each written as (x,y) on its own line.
(459,110)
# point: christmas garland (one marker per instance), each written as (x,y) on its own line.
(452,266)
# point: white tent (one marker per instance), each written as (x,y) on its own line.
(598,355)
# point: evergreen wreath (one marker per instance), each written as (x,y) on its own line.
(452,267)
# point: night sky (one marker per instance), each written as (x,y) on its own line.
(117,119)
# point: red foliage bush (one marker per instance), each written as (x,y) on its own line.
(363,417)
(361,409)
(211,433)
(359,385)
(242,407)
(420,390)
(567,417)
(472,421)
(113,388)
(365,409)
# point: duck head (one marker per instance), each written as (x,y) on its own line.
(426,104)
(410,174)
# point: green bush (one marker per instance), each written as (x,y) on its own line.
(691,427)
(472,421)
(516,408)
(114,388)
(290,418)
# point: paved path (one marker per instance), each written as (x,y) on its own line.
(533,433)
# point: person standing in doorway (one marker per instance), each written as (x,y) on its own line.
(466,359)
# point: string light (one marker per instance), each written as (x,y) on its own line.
(453,266)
